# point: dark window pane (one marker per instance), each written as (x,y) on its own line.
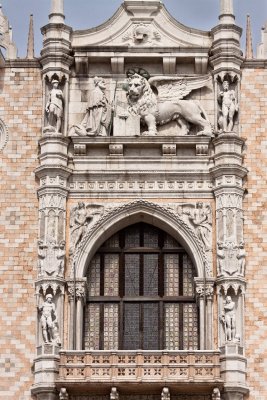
(131,326)
(132,274)
(150,274)
(132,237)
(150,236)
(150,326)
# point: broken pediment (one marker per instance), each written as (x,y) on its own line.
(140,24)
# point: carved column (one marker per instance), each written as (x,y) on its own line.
(204,291)
(77,298)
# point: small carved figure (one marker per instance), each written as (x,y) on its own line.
(201,219)
(165,394)
(241,256)
(49,320)
(54,107)
(81,216)
(216,395)
(220,258)
(229,107)
(60,255)
(42,250)
(229,319)
(168,105)
(79,223)
(63,395)
(114,395)
(98,117)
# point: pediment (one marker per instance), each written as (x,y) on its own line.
(138,25)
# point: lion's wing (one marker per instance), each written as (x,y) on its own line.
(175,88)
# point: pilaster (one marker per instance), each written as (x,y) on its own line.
(229,174)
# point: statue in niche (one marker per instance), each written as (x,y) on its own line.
(49,321)
(81,216)
(98,117)
(54,108)
(165,394)
(228,107)
(159,101)
(228,319)
(51,258)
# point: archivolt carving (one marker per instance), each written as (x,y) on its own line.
(158,213)
(3,135)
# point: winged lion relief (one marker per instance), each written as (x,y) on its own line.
(158,101)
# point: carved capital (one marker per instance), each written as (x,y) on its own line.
(78,288)
(204,289)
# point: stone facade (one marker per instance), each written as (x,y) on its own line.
(142,140)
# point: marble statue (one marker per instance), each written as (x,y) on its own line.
(49,321)
(168,105)
(98,117)
(63,394)
(54,107)
(229,107)
(216,395)
(229,319)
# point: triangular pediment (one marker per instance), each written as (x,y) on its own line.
(142,24)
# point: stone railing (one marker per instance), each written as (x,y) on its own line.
(139,366)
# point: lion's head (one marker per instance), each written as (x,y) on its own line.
(140,96)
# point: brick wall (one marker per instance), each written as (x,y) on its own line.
(20,109)
(254,128)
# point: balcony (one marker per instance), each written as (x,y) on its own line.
(128,369)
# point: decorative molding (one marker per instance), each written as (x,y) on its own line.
(3,135)
(56,285)
(125,209)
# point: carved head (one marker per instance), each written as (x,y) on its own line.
(49,298)
(100,82)
(55,83)
(225,85)
(136,86)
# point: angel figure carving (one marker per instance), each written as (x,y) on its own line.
(81,216)
(168,104)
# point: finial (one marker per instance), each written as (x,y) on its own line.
(226,12)
(249,47)
(30,47)
(57,12)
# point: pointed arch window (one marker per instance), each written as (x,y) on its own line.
(141,293)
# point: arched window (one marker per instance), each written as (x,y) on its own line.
(141,293)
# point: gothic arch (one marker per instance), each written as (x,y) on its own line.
(127,214)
